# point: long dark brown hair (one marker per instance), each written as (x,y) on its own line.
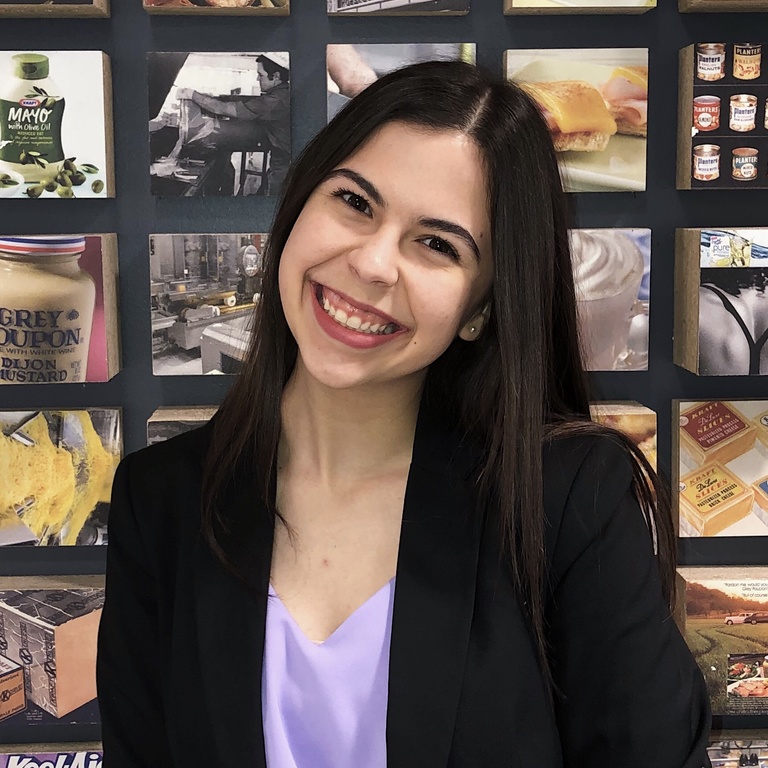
(522,383)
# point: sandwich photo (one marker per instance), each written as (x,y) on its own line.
(576,114)
(595,101)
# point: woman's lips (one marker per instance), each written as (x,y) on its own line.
(361,337)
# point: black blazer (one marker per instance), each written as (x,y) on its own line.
(181,640)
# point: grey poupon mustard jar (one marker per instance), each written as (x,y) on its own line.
(46,310)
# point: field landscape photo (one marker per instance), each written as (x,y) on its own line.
(726,615)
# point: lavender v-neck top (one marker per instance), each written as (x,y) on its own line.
(325,704)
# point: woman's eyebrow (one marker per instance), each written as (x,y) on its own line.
(452,228)
(441,225)
(361,182)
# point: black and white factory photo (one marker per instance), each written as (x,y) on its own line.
(220,123)
(203,292)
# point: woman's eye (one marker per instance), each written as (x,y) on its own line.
(441,246)
(353,200)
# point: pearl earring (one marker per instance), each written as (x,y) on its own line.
(472,329)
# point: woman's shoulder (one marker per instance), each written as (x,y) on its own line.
(586,471)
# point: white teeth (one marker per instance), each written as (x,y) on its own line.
(351,321)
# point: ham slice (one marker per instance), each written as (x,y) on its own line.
(627,101)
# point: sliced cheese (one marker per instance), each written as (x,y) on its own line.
(636,75)
(575,106)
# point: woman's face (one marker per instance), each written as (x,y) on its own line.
(389,259)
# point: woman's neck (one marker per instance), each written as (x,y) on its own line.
(345,435)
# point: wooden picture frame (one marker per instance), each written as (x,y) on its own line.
(52,752)
(185,8)
(720,467)
(169,421)
(721,612)
(718,271)
(34,10)
(202,327)
(638,422)
(47,618)
(52,502)
(722,128)
(94,355)
(722,6)
(575,7)
(368,8)
(612,155)
(83,139)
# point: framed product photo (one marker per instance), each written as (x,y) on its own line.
(722,6)
(352,67)
(723,118)
(220,123)
(56,132)
(723,615)
(720,467)
(595,101)
(58,328)
(28,9)
(166,422)
(738,748)
(88,755)
(219,7)
(58,467)
(636,421)
(48,633)
(203,291)
(721,316)
(577,6)
(398,7)
(612,278)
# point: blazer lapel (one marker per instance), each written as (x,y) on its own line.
(231,621)
(434,599)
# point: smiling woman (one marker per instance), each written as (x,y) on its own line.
(416,547)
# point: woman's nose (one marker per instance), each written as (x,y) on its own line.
(376,259)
